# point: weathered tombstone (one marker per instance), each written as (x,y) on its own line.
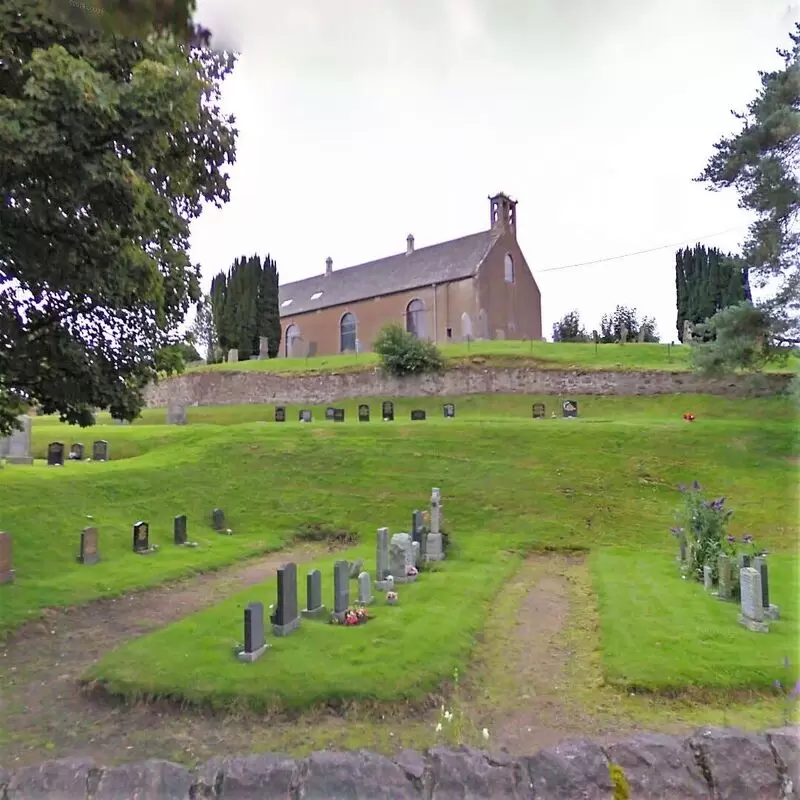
(176,414)
(286,617)
(330,411)
(305,415)
(100,450)
(17,446)
(341,589)
(436,510)
(642,334)
(263,347)
(688,331)
(363,413)
(382,559)
(355,568)
(179,529)
(364,589)
(724,580)
(55,454)
(280,413)
(400,558)
(89,552)
(416,549)
(387,411)
(538,410)
(708,583)
(233,355)
(449,410)
(569,408)
(434,548)
(770,611)
(338,415)
(76,452)
(752,616)
(6,573)
(141,538)
(218,520)
(417,414)
(254,635)
(314,608)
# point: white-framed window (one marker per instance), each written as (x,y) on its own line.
(508,265)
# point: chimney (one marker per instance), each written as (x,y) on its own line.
(503,213)
(409,244)
(328,265)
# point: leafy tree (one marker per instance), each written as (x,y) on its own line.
(401,353)
(569,329)
(108,148)
(203,333)
(760,163)
(706,281)
(174,358)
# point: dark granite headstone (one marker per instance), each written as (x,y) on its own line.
(449,410)
(100,450)
(218,519)
(280,413)
(338,415)
(286,617)
(418,414)
(179,529)
(363,413)
(89,552)
(76,452)
(569,408)
(6,573)
(254,635)
(387,411)
(314,608)
(141,537)
(305,415)
(341,588)
(416,526)
(538,410)
(55,454)
(330,412)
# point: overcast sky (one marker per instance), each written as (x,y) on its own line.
(361,121)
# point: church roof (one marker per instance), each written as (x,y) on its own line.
(439,263)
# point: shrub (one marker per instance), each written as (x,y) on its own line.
(402,353)
(317,532)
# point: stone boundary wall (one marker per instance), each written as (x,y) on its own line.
(228,387)
(713,764)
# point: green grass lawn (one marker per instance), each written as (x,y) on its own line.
(604,482)
(543,355)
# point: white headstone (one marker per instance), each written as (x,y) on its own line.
(18,444)
(752,616)
(436,510)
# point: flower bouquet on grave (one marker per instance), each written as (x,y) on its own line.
(391,598)
(411,571)
(689,417)
(353,616)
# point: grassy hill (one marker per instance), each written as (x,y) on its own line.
(541,355)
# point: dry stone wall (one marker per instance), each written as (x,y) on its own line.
(712,764)
(227,387)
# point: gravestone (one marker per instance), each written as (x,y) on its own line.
(569,408)
(538,410)
(89,551)
(233,356)
(286,617)
(364,589)
(688,331)
(449,410)
(100,450)
(341,589)
(708,583)
(254,635)
(400,557)
(642,334)
(280,413)
(724,580)
(305,415)
(314,608)
(176,414)
(76,452)
(681,557)
(363,413)
(338,415)
(436,510)
(417,414)
(179,529)
(263,347)
(434,547)
(752,616)
(17,446)
(744,561)
(417,525)
(355,568)
(771,611)
(416,549)
(382,559)
(141,538)
(330,411)
(387,411)
(6,573)
(55,454)
(218,520)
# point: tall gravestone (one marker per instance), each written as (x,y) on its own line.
(141,538)
(263,347)
(382,559)
(724,577)
(90,541)
(752,616)
(179,532)
(364,589)
(254,635)
(401,556)
(233,356)
(314,608)
(17,446)
(387,411)
(434,547)
(100,450)
(6,571)
(218,520)
(176,414)
(341,589)
(286,617)
(55,454)
(363,413)
(771,611)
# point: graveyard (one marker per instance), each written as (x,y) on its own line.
(174,575)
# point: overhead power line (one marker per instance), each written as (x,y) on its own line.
(682,243)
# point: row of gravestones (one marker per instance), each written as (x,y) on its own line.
(397,561)
(753,574)
(89,547)
(56,452)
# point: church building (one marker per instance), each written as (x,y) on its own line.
(475,287)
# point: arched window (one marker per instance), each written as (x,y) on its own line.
(291,342)
(508,263)
(347,333)
(415,318)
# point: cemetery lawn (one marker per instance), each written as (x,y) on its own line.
(604,484)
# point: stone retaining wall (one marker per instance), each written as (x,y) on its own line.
(711,764)
(227,387)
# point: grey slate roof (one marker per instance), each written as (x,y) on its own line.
(439,263)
